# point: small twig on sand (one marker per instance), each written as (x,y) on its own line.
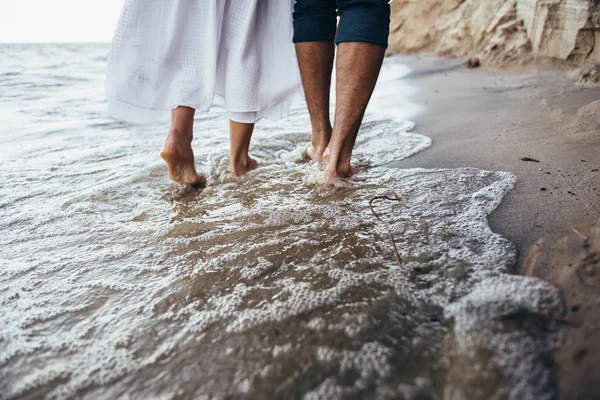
(575,228)
(385,197)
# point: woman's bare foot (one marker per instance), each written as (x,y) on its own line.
(179,156)
(240,134)
(241,168)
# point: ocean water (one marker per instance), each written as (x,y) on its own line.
(116,283)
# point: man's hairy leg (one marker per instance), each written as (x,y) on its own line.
(358,67)
(316,66)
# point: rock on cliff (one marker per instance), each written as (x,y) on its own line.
(499,31)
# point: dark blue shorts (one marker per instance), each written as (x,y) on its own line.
(360,21)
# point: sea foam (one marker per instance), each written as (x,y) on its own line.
(116,283)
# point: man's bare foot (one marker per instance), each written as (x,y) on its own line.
(179,156)
(339,170)
(337,173)
(241,168)
(315,153)
(319,141)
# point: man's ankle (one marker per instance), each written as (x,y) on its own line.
(321,137)
(319,146)
(337,164)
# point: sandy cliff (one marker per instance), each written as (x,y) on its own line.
(499,31)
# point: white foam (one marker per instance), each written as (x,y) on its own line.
(117,284)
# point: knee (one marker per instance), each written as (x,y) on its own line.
(364,21)
(314,20)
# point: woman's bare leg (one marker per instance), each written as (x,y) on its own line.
(177,149)
(240,135)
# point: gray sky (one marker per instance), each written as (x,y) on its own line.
(58,20)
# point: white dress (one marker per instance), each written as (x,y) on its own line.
(237,54)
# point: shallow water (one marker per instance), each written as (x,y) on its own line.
(116,283)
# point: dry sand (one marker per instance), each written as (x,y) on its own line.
(490,120)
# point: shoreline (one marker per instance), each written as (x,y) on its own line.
(492,119)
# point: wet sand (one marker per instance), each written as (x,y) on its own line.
(491,120)
(117,283)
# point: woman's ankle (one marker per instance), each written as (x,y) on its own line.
(242,164)
(239,160)
(182,123)
(181,132)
